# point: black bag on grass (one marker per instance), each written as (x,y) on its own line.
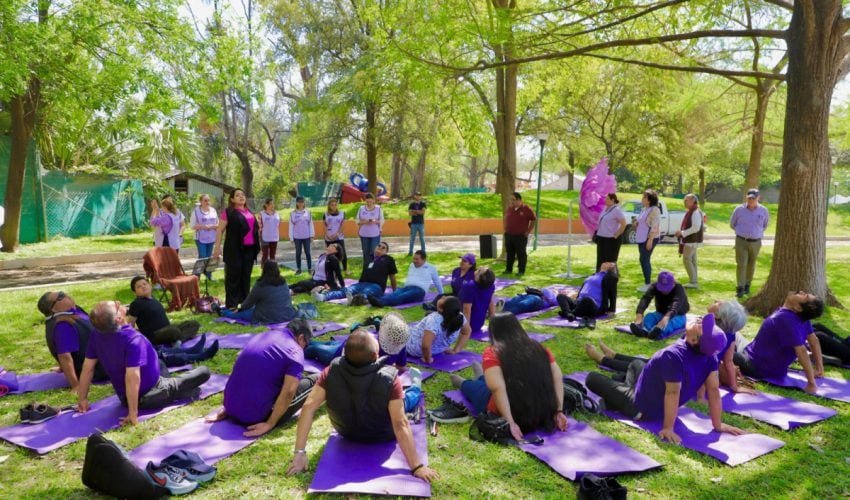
(107,470)
(576,399)
(593,487)
(492,428)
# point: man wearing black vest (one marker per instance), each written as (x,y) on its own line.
(365,403)
(67,333)
(690,238)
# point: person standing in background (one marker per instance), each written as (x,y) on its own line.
(269,231)
(690,238)
(204,220)
(168,224)
(519,222)
(334,232)
(301,232)
(612,223)
(749,222)
(370,219)
(417,221)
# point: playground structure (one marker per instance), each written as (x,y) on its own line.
(359,186)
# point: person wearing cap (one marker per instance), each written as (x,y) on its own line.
(609,232)
(782,339)
(370,221)
(461,275)
(749,222)
(477,298)
(654,390)
(267,386)
(420,277)
(417,221)
(365,403)
(671,306)
(301,233)
(67,329)
(690,238)
(133,366)
(597,296)
(269,221)
(519,222)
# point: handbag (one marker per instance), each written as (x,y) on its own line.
(490,427)
(206,304)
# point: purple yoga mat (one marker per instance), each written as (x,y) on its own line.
(560,322)
(429,297)
(212,442)
(370,468)
(499,283)
(535,313)
(449,362)
(828,388)
(785,413)
(55,380)
(483,336)
(580,450)
(319,327)
(313,366)
(698,434)
(240,340)
(102,416)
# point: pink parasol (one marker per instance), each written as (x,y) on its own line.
(597,184)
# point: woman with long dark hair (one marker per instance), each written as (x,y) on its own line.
(520,380)
(334,232)
(269,301)
(241,234)
(436,333)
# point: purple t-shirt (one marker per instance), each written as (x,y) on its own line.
(772,351)
(65,336)
(257,376)
(480,299)
(458,281)
(126,348)
(675,363)
(592,287)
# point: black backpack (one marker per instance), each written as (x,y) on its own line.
(593,487)
(576,399)
(107,470)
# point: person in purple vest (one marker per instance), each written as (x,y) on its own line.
(327,276)
(365,402)
(133,367)
(654,390)
(334,231)
(204,220)
(269,221)
(782,339)
(647,234)
(597,296)
(267,386)
(370,219)
(301,233)
(168,224)
(477,298)
(690,238)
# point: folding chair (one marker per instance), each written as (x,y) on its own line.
(162,266)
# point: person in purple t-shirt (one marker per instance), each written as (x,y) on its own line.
(655,389)
(132,365)
(266,386)
(597,296)
(477,297)
(782,339)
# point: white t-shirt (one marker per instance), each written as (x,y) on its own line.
(442,340)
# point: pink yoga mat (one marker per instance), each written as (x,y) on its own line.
(102,416)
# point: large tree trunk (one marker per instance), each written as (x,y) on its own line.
(474,172)
(815,50)
(371,147)
(246,173)
(23,114)
(757,138)
(505,119)
(419,173)
(329,164)
(395,186)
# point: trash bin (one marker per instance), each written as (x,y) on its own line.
(489,247)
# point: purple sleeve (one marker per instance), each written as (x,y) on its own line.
(671,368)
(136,354)
(65,338)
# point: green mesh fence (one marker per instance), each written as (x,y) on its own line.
(32,212)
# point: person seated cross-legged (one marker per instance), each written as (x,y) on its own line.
(365,402)
(671,306)
(655,389)
(132,364)
(373,279)
(420,276)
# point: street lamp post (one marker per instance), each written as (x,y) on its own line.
(542,136)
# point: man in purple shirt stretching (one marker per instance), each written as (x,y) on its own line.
(749,222)
(132,365)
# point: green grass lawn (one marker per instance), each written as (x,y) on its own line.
(813,463)
(553,204)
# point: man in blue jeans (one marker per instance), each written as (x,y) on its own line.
(671,306)
(420,276)
(417,221)
(373,280)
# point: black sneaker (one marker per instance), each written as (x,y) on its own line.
(638,331)
(590,323)
(654,333)
(450,413)
(372,321)
(42,413)
(25,413)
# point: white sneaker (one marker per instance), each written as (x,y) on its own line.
(317,295)
(643,288)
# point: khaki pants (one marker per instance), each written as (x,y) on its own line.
(689,258)
(746,254)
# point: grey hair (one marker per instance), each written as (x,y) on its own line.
(731,316)
(103,317)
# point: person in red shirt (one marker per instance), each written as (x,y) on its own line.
(520,380)
(519,222)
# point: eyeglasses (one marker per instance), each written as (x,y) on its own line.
(59,296)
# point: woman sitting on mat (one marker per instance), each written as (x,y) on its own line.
(269,301)
(597,296)
(464,273)
(520,380)
(654,390)
(436,333)
(532,300)
(328,273)
(477,297)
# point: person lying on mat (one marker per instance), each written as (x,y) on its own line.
(477,297)
(266,386)
(328,273)
(436,333)
(373,279)
(421,275)
(393,333)
(730,316)
(833,345)
(671,306)
(782,338)
(534,299)
(520,380)
(270,301)
(67,329)
(597,296)
(365,403)
(132,364)
(655,389)
(148,316)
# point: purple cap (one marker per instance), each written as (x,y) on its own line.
(712,339)
(470,257)
(665,282)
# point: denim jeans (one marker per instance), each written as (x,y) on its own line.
(368,245)
(414,229)
(305,245)
(324,352)
(477,393)
(361,288)
(675,323)
(204,251)
(403,295)
(524,303)
(243,314)
(645,262)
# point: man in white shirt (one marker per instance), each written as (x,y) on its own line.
(420,276)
